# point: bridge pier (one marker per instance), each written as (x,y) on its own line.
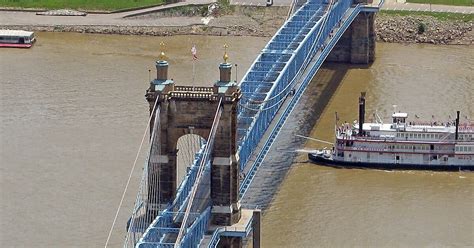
(357,44)
(225,165)
(182,107)
(230,242)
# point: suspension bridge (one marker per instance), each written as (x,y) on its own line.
(230,127)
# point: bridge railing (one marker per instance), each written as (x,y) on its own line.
(162,225)
(188,182)
(165,219)
(140,230)
(312,43)
(195,233)
(153,238)
(265,87)
(207,157)
(291,46)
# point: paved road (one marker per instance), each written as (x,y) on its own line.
(28,18)
(388,5)
(117,19)
(260,2)
(393,5)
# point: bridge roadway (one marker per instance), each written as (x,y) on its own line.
(272,171)
(265,177)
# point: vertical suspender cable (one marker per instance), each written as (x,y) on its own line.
(130,175)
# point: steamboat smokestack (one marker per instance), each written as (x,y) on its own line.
(361,113)
(457,125)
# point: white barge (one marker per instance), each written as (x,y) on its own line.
(16,38)
(400,144)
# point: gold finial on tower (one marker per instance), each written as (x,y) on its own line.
(162,54)
(226,57)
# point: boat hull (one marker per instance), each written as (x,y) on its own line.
(11,45)
(385,166)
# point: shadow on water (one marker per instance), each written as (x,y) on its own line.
(306,114)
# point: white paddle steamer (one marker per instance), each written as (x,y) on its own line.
(400,144)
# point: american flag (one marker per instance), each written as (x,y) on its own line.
(194,52)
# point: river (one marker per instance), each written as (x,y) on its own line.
(72,114)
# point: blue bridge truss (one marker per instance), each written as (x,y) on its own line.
(284,67)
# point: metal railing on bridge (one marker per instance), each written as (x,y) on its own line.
(274,75)
(162,231)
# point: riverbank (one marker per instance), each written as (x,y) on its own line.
(393,27)
(408,27)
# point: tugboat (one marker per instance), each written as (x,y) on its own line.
(400,144)
(16,38)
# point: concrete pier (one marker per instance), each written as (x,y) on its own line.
(357,44)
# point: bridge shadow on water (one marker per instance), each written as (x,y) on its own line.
(302,120)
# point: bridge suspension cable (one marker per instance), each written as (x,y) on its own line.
(281,65)
(140,218)
(130,174)
(204,161)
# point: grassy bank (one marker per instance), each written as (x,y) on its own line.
(437,15)
(79,4)
(445,2)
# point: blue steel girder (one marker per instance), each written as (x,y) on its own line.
(281,49)
(265,86)
(315,29)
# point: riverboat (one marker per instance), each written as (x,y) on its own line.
(400,144)
(16,38)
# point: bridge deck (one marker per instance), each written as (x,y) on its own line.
(285,65)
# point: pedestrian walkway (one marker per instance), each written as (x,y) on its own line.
(18,18)
(394,5)
(163,7)
(260,2)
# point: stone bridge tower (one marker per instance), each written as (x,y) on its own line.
(357,44)
(185,110)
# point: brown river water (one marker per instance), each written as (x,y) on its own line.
(72,114)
